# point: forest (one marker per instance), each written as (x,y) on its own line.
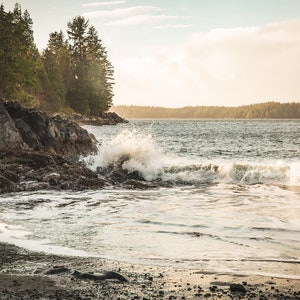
(267,110)
(73,73)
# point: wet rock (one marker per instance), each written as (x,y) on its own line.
(33,129)
(38,151)
(237,288)
(7,186)
(104,276)
(39,170)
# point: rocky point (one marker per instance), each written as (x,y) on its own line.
(38,151)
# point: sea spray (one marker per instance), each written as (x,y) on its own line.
(137,151)
(295,174)
(250,173)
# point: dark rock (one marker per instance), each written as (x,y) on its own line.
(100,119)
(7,186)
(118,174)
(29,128)
(38,151)
(237,288)
(56,270)
(104,276)
(39,170)
(9,174)
(9,135)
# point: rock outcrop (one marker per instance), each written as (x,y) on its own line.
(32,129)
(38,151)
(9,135)
(28,170)
(103,118)
(41,152)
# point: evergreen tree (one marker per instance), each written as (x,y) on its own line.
(90,89)
(100,73)
(19,57)
(77,95)
(56,60)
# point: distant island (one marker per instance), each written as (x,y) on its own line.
(267,110)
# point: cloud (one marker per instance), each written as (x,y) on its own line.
(173,26)
(142,19)
(221,67)
(122,12)
(107,3)
(132,16)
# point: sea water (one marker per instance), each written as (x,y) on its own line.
(226,198)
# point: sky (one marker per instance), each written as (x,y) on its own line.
(177,53)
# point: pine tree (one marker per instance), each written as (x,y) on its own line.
(77,95)
(100,73)
(19,56)
(56,60)
(90,88)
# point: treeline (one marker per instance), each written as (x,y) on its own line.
(268,110)
(71,74)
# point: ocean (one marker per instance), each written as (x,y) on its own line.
(225,198)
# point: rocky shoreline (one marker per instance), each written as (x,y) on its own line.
(38,151)
(103,118)
(34,275)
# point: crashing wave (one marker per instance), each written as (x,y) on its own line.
(137,155)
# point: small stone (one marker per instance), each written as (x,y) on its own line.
(237,288)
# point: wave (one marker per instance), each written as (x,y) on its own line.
(136,152)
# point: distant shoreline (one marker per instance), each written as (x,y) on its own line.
(210,119)
(265,111)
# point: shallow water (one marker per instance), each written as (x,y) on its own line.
(228,199)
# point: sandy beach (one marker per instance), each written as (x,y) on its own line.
(23,275)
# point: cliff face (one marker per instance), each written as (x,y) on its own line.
(23,128)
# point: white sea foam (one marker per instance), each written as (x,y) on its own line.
(295,174)
(254,173)
(138,151)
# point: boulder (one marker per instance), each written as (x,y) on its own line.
(237,288)
(33,129)
(9,135)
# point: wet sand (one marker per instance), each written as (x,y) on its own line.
(22,276)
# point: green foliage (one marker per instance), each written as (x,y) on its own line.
(268,110)
(72,72)
(19,58)
(56,61)
(90,89)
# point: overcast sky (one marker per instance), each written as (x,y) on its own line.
(176,53)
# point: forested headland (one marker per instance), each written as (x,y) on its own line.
(73,73)
(267,110)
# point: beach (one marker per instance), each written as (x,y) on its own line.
(22,276)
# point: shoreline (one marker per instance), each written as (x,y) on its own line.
(22,276)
